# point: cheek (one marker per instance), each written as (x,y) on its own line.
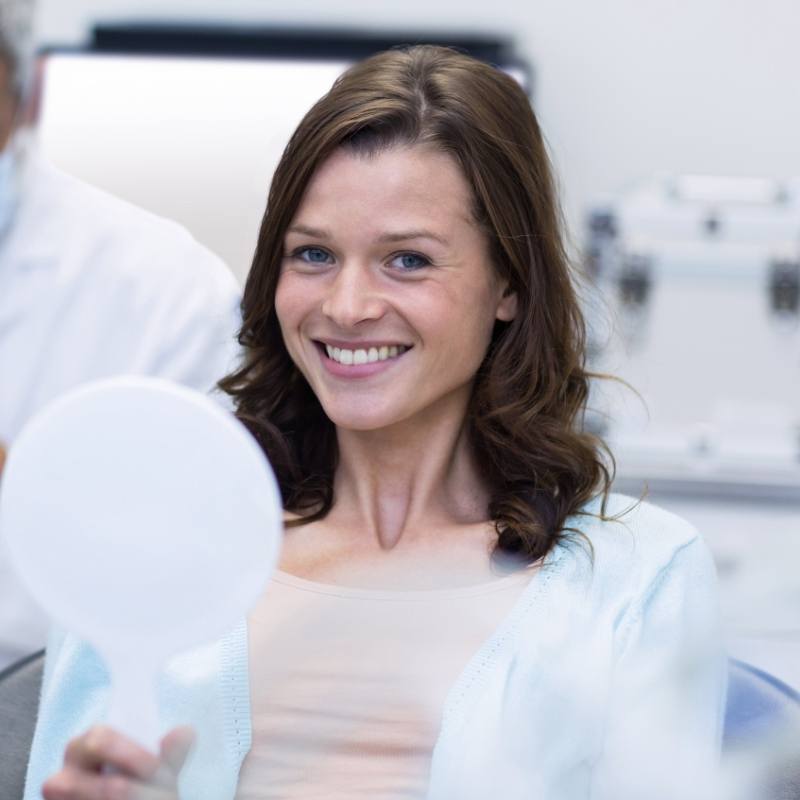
(472,315)
(292,306)
(457,329)
(291,303)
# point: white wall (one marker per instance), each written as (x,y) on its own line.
(624,87)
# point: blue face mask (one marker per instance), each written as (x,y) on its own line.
(9,187)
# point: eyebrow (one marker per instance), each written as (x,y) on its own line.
(404,236)
(305,230)
(397,236)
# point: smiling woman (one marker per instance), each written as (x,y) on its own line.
(414,206)
(463,610)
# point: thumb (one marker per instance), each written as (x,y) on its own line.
(176,746)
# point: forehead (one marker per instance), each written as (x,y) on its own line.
(402,184)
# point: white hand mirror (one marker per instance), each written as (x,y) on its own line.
(144,518)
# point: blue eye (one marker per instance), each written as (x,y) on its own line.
(410,261)
(312,255)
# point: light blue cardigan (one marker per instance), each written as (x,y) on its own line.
(605,681)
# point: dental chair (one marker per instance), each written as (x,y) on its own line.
(20,685)
(758,703)
(759,709)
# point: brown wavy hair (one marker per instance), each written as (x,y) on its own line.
(530,393)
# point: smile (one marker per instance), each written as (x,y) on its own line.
(369,355)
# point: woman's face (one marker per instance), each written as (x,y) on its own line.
(387,297)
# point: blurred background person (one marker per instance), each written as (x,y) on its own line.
(90,287)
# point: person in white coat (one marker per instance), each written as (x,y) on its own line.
(90,287)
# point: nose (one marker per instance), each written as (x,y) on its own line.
(353,297)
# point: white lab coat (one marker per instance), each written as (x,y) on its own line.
(90,287)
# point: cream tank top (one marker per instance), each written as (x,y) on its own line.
(347,686)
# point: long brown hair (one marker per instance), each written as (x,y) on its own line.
(530,393)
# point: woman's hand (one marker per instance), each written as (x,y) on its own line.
(105,765)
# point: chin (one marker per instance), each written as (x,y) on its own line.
(357,419)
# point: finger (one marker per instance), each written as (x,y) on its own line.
(102,747)
(73,784)
(176,746)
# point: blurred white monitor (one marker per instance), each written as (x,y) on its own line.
(195,139)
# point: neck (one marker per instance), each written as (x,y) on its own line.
(402,482)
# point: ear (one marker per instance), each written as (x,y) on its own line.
(507,306)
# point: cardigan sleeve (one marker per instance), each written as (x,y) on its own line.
(206,687)
(668,687)
(74,695)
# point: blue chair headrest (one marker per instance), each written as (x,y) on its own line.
(757,703)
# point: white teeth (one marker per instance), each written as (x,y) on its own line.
(363,356)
